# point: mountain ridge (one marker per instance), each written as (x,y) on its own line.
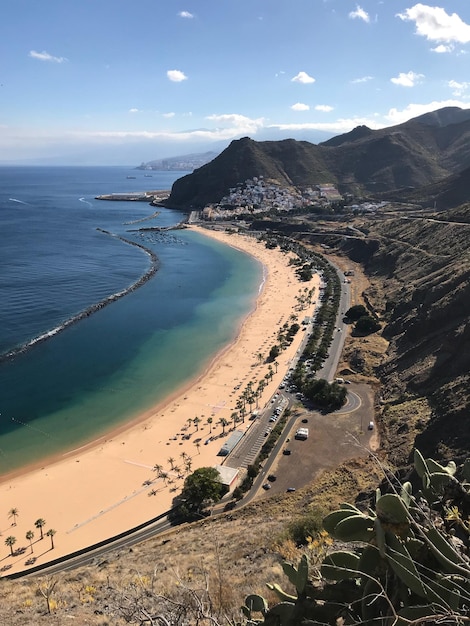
(416,153)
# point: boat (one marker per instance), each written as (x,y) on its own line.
(130,176)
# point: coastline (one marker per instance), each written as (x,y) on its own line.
(111,481)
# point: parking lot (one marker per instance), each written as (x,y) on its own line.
(333,438)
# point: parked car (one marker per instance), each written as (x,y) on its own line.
(266,486)
(371,426)
(286,451)
(272,477)
(290,489)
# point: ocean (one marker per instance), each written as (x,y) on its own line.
(62,252)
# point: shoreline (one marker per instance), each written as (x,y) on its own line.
(112,480)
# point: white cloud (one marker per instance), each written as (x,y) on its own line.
(235,124)
(45,56)
(133,110)
(395,116)
(410,79)
(360,14)
(304,78)
(176,76)
(324,108)
(169,114)
(341,125)
(458,88)
(186,14)
(363,79)
(437,25)
(443,48)
(299,106)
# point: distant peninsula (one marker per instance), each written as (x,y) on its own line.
(184,163)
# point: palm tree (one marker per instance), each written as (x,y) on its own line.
(196,421)
(14,514)
(30,537)
(276,365)
(198,445)
(223,422)
(40,523)
(171,461)
(209,421)
(50,533)
(10,541)
(157,469)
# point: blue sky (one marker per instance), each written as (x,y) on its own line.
(121,81)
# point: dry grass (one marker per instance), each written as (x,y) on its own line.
(235,554)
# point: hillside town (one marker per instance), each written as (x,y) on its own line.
(258,195)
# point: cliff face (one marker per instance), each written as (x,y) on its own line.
(420,152)
(420,274)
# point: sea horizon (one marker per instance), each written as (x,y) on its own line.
(116,363)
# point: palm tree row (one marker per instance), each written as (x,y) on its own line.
(39,524)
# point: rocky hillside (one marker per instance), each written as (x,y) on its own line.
(420,274)
(449,192)
(419,152)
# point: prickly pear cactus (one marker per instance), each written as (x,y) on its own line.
(405,563)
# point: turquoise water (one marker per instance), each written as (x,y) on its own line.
(129,356)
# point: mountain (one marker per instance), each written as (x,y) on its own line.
(184,162)
(447,193)
(419,152)
(419,270)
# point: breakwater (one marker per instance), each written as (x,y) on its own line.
(94,307)
(136,196)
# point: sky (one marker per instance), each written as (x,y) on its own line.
(124,81)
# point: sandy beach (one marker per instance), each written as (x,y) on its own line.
(109,486)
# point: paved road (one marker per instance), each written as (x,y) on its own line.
(250,445)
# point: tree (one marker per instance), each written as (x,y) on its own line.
(274,353)
(14,514)
(200,488)
(30,537)
(234,418)
(209,421)
(10,542)
(196,421)
(366,325)
(40,523)
(223,422)
(356,311)
(50,533)
(327,396)
(270,372)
